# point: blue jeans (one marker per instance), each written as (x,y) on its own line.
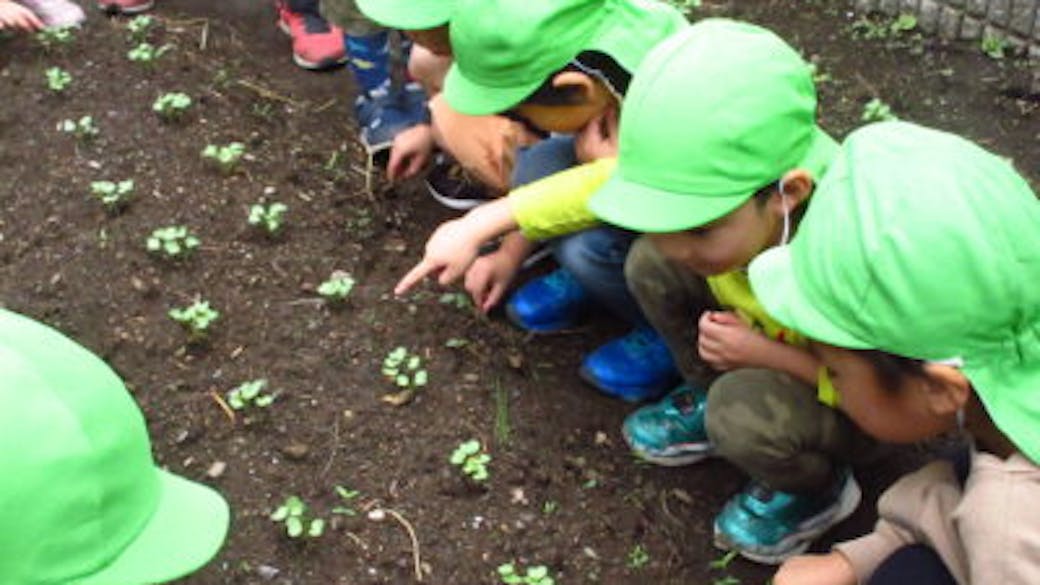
(596,256)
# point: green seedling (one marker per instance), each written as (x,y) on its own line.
(347,496)
(638,557)
(55,37)
(472,460)
(337,288)
(174,242)
(226,157)
(866,28)
(58,79)
(139,27)
(250,394)
(455,299)
(537,575)
(877,111)
(114,196)
(83,129)
(147,54)
(293,513)
(404,369)
(994,47)
(171,106)
(268,217)
(196,319)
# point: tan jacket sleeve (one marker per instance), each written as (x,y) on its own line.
(917,509)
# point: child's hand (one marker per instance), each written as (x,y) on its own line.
(14,15)
(726,342)
(410,152)
(599,138)
(828,569)
(484,145)
(450,252)
(490,276)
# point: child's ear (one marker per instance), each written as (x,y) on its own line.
(583,82)
(797,186)
(947,388)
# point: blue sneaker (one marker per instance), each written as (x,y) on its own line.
(769,526)
(672,431)
(553,302)
(383,114)
(634,368)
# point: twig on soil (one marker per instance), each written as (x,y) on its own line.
(204,36)
(357,540)
(866,84)
(335,448)
(267,93)
(378,514)
(223,405)
(325,106)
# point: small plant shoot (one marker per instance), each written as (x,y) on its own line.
(472,460)
(147,54)
(173,242)
(337,288)
(225,158)
(537,575)
(268,218)
(196,319)
(638,557)
(113,195)
(55,37)
(877,111)
(172,106)
(83,129)
(298,523)
(347,497)
(250,394)
(139,27)
(58,80)
(404,369)
(994,47)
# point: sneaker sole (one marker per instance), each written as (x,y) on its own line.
(114,9)
(452,202)
(683,454)
(311,65)
(798,543)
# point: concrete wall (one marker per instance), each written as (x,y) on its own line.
(1017,21)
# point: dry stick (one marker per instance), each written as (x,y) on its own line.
(223,405)
(415,541)
(267,93)
(335,448)
(204,36)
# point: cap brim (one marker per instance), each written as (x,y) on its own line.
(185,532)
(474,99)
(406,14)
(775,285)
(642,208)
(1009,391)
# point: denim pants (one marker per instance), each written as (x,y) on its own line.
(596,256)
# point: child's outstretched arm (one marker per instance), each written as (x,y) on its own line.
(553,206)
(14,15)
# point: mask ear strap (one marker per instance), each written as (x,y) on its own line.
(785,237)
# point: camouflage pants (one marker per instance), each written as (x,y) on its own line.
(765,422)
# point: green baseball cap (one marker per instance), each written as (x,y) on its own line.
(921,244)
(81,500)
(713,114)
(408,14)
(506,49)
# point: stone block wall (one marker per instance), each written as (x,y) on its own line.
(1017,21)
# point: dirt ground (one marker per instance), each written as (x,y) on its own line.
(563,490)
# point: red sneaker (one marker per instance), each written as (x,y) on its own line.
(316,43)
(124,6)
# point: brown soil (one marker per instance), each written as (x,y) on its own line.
(563,490)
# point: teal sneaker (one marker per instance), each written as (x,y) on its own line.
(670,432)
(769,526)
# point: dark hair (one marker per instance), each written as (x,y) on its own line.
(892,369)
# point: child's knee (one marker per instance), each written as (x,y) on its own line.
(644,268)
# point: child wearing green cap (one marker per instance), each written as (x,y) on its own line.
(563,67)
(81,500)
(915,271)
